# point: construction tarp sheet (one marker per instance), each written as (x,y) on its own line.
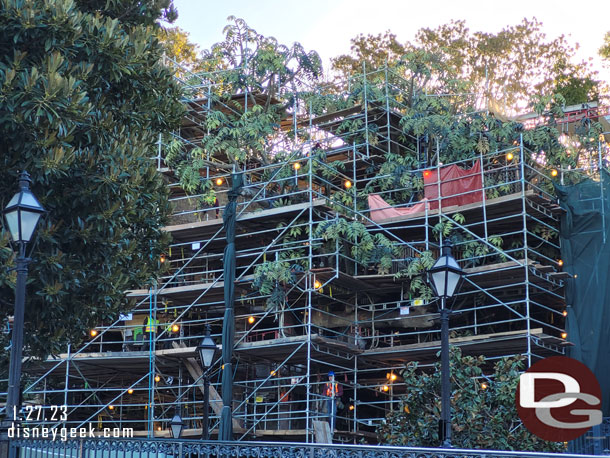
(380,210)
(585,251)
(457,186)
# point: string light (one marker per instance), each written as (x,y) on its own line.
(351,407)
(130,391)
(564,313)
(560,263)
(93,332)
(158,428)
(175,328)
(162,258)
(385,388)
(219,181)
(510,157)
(564,335)
(427,173)
(407,409)
(297,166)
(157,378)
(554,172)
(483,386)
(347,184)
(110,407)
(317,284)
(251,320)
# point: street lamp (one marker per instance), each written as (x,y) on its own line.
(176,425)
(206,349)
(22,214)
(445,277)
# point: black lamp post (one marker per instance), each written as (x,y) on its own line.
(206,349)
(445,277)
(22,214)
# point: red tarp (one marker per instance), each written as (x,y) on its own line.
(381,210)
(454,180)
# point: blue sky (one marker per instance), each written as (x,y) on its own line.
(328,26)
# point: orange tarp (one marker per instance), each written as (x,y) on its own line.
(455,185)
(381,210)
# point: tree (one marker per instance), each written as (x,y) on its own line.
(505,67)
(84,98)
(484,415)
(369,52)
(604,51)
(180,49)
(251,79)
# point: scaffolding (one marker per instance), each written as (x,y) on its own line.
(330,311)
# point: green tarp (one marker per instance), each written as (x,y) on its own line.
(228,327)
(585,250)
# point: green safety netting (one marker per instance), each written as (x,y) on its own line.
(585,250)
(225,432)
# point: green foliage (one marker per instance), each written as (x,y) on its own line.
(84,98)
(252,78)
(415,272)
(366,248)
(482,418)
(604,51)
(179,48)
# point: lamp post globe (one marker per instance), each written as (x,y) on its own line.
(176,426)
(445,274)
(444,277)
(23,212)
(207,350)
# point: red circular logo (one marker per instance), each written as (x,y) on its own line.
(558,399)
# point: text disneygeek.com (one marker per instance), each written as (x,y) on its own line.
(41,432)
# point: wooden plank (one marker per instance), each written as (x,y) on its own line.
(322,432)
(453,341)
(246,216)
(196,372)
(187,289)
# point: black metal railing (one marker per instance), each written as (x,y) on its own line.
(166,448)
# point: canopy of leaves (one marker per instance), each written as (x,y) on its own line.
(84,98)
(180,49)
(502,68)
(483,411)
(252,79)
